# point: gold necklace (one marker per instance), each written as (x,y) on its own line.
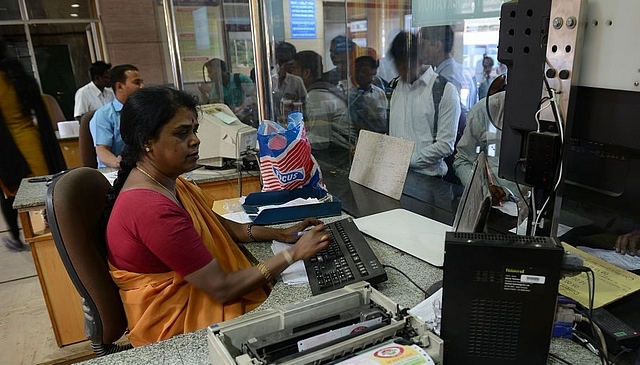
(158,182)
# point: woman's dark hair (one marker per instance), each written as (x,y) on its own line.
(143,115)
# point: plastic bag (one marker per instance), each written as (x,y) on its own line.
(286,162)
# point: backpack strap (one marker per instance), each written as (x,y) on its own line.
(437,91)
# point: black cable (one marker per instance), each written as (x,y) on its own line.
(622,352)
(558,358)
(594,343)
(592,289)
(408,278)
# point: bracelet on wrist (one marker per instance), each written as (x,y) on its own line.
(265,271)
(249,231)
(287,256)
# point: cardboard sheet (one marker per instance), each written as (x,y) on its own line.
(381,163)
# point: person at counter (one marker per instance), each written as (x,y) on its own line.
(97,93)
(629,243)
(176,262)
(105,124)
(27,148)
(413,114)
(483,134)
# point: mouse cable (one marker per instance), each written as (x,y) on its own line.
(408,278)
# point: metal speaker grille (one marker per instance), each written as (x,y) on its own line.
(493,329)
(487,276)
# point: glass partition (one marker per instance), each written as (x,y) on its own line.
(59,9)
(351,87)
(333,59)
(10,10)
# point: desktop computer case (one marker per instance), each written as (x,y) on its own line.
(499,298)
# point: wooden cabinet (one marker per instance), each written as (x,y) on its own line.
(227,189)
(70,151)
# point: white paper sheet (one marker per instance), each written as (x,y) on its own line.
(294,274)
(522,229)
(626,262)
(510,208)
(430,311)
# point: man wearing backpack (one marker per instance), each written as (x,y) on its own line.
(419,115)
(326,115)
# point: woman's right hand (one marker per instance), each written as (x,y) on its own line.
(310,243)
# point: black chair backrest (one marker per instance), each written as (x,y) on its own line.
(85,142)
(75,202)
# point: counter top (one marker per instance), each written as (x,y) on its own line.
(33,194)
(191,348)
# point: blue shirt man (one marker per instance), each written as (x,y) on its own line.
(105,129)
(105,124)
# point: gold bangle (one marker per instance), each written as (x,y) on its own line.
(249,231)
(287,256)
(265,271)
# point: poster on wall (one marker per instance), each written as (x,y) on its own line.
(201,28)
(303,19)
(198,29)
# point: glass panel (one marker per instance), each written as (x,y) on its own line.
(63,59)
(9,10)
(60,9)
(17,42)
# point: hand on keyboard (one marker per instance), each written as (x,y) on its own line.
(311,242)
(291,234)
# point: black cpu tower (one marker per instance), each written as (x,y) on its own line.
(499,298)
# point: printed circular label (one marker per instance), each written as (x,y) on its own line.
(389,352)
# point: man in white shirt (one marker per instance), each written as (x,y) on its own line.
(412,114)
(97,93)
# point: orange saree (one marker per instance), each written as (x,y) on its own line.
(160,306)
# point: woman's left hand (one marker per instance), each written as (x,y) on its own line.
(291,235)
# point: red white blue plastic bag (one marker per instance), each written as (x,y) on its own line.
(286,162)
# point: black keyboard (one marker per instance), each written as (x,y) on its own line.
(347,259)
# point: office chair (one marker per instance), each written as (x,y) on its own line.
(85,142)
(53,108)
(74,204)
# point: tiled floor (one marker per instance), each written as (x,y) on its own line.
(26,336)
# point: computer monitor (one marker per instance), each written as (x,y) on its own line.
(223,136)
(475,202)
